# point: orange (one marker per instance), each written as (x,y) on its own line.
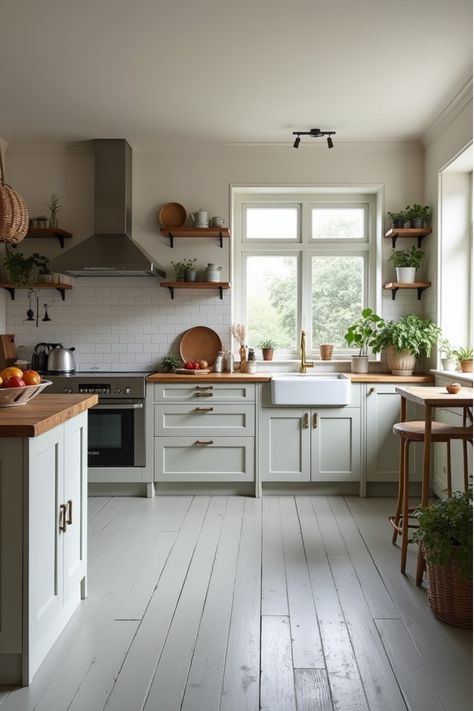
(9,372)
(31,377)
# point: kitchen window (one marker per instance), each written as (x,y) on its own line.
(303,261)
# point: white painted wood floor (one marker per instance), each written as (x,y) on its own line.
(237,604)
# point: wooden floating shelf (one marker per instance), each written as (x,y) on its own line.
(48,232)
(172,285)
(40,285)
(177,232)
(394,286)
(418,232)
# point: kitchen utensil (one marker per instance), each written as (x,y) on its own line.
(172,215)
(200,343)
(61,360)
(12,397)
(8,353)
(199,218)
(39,358)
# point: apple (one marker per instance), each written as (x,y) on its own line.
(31,377)
(189,365)
(196,365)
(203,364)
(15,382)
(8,372)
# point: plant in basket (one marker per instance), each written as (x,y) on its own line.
(445,534)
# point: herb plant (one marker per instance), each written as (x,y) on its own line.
(411,333)
(170,362)
(407,257)
(446,531)
(464,353)
(267,344)
(447,350)
(420,212)
(362,332)
(24,270)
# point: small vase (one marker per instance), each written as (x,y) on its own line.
(243,359)
(53,222)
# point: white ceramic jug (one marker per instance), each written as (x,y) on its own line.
(213,272)
(200,218)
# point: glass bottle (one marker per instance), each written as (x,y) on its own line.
(243,359)
(251,363)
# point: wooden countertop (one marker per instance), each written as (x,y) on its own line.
(42,414)
(266,377)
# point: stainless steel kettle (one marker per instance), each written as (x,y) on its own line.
(61,361)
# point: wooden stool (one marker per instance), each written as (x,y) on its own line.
(415,432)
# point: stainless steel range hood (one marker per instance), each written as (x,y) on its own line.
(110,251)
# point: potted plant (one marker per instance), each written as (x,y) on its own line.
(189,269)
(24,271)
(419,215)
(405,341)
(449,358)
(406,262)
(445,534)
(178,268)
(54,207)
(362,334)
(464,356)
(41,264)
(398,219)
(170,362)
(267,346)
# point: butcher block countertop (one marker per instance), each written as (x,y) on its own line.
(42,414)
(265,377)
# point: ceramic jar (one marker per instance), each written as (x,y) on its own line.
(213,272)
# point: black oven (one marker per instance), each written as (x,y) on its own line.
(117,434)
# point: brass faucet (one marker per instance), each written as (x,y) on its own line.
(304,363)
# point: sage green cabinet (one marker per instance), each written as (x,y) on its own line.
(317,444)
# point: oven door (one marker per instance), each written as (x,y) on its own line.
(117,434)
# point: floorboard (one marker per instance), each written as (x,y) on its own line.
(240,604)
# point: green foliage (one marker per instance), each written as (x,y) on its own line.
(363,332)
(170,362)
(464,353)
(447,350)
(416,211)
(184,265)
(407,257)
(22,270)
(267,344)
(446,531)
(395,216)
(411,333)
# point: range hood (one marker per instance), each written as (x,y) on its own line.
(110,251)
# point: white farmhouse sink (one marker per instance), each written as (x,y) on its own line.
(311,389)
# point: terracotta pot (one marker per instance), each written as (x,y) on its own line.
(400,362)
(466,366)
(267,353)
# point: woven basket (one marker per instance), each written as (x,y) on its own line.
(13,212)
(449,595)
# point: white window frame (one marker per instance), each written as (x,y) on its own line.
(305,247)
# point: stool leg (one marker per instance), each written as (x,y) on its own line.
(406,494)
(450,478)
(466,466)
(400,490)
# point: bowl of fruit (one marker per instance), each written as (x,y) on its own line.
(17,387)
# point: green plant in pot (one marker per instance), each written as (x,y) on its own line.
(464,356)
(406,262)
(406,341)
(267,346)
(448,354)
(445,534)
(362,333)
(398,219)
(419,215)
(170,362)
(24,271)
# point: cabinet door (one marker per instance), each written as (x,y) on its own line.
(75,493)
(383,447)
(45,459)
(335,444)
(285,444)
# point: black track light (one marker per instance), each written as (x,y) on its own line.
(314,133)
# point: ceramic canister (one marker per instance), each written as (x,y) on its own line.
(213,272)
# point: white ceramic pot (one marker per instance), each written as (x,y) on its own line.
(360,364)
(400,362)
(405,275)
(449,364)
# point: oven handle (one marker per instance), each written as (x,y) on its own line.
(131,406)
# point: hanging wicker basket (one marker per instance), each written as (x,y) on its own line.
(449,595)
(13,212)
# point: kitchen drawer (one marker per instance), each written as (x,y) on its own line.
(204,419)
(202,392)
(220,459)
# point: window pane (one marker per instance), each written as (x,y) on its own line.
(271,300)
(338,223)
(338,294)
(271,222)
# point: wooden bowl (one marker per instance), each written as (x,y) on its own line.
(172,215)
(453,388)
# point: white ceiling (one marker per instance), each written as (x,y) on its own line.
(163,71)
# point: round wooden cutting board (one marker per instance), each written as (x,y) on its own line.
(200,343)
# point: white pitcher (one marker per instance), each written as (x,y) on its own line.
(199,218)
(213,272)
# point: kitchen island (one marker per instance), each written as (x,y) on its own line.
(43,527)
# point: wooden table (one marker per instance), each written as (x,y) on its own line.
(430,398)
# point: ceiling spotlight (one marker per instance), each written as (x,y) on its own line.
(314,133)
